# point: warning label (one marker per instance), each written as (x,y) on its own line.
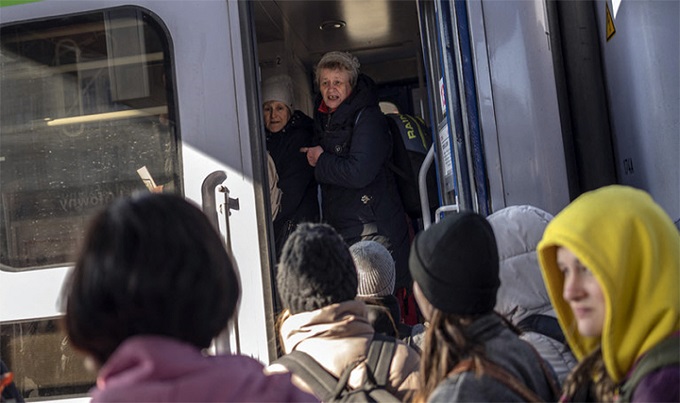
(611,29)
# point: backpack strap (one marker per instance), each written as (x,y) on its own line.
(328,388)
(545,325)
(661,355)
(378,362)
(497,372)
(379,358)
(324,385)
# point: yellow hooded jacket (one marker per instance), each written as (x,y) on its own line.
(632,248)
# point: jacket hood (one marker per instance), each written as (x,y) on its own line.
(632,248)
(522,293)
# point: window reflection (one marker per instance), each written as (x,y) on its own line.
(84,104)
(42,360)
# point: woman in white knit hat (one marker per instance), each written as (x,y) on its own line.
(287,131)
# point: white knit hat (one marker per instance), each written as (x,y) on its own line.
(375,268)
(279,88)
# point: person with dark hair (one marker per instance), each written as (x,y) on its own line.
(351,150)
(522,297)
(611,263)
(318,283)
(470,353)
(287,130)
(152,286)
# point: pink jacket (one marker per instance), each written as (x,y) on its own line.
(155,368)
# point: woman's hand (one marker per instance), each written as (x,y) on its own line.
(313,154)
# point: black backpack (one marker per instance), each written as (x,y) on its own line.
(331,389)
(411,141)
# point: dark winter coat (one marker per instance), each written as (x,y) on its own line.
(299,202)
(504,348)
(385,316)
(359,194)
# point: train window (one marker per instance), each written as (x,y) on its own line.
(43,363)
(84,105)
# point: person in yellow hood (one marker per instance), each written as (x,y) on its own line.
(611,263)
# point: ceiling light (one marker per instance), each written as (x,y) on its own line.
(331,25)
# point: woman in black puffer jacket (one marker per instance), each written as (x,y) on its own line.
(358,191)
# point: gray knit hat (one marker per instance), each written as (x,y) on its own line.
(279,88)
(375,268)
(315,270)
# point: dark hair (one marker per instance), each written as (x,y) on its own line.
(315,270)
(590,375)
(150,264)
(446,344)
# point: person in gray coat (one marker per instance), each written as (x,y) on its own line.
(522,297)
(470,352)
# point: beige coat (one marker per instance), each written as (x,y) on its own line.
(274,190)
(339,335)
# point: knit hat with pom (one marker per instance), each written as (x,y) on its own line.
(315,270)
(375,268)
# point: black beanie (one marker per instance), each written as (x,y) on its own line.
(315,269)
(455,263)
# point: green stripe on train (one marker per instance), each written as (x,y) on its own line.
(5,3)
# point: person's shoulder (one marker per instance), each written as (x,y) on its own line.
(406,359)
(449,389)
(301,124)
(254,381)
(301,119)
(662,385)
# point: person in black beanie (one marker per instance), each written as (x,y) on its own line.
(470,353)
(317,283)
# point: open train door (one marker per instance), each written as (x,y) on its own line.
(91,93)
(495,104)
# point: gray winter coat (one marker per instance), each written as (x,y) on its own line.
(522,293)
(505,349)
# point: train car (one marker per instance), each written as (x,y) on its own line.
(528,102)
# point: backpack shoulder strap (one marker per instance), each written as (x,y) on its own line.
(358,115)
(545,325)
(379,357)
(378,362)
(322,383)
(663,354)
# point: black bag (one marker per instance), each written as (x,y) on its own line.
(411,141)
(331,389)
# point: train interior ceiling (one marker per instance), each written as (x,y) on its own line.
(383,34)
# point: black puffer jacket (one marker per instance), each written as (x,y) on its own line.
(359,194)
(299,202)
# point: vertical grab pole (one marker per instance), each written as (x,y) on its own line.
(422,187)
